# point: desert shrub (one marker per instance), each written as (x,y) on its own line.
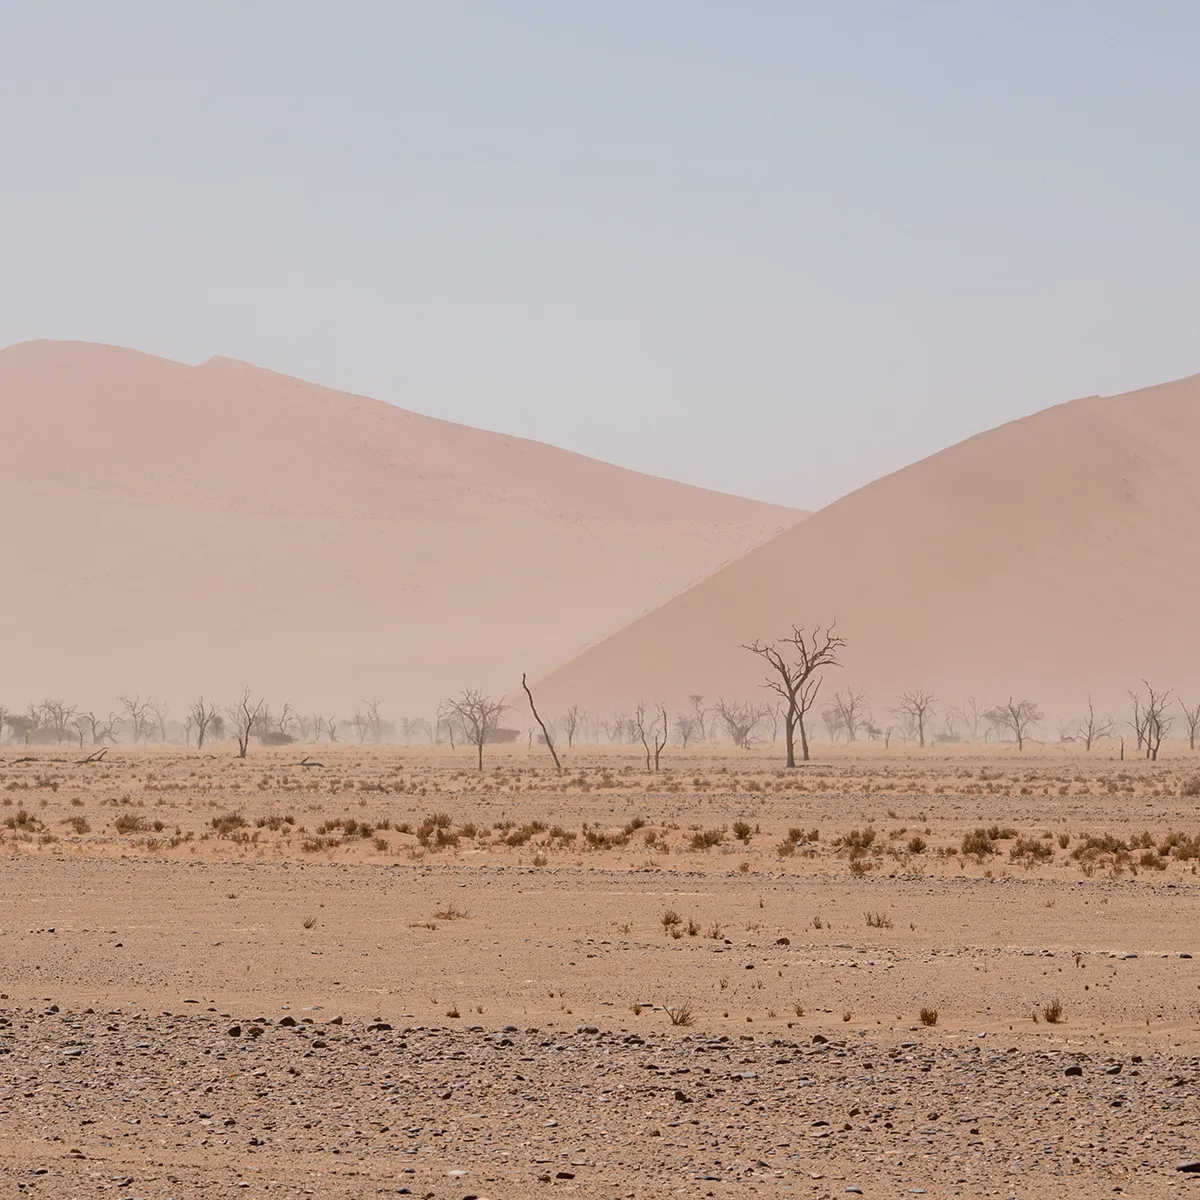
(1030,850)
(978,843)
(129,823)
(79,824)
(705,839)
(681,1014)
(917,845)
(742,831)
(1190,787)
(1180,846)
(929,1016)
(1052,1013)
(858,841)
(25,821)
(226,823)
(1001,833)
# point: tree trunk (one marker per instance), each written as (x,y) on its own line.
(481,754)
(790,738)
(803,739)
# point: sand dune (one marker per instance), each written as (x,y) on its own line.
(1053,556)
(176,529)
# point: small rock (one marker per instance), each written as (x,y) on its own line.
(234,1031)
(587,1029)
(682,1097)
(1192,1167)
(1075,1070)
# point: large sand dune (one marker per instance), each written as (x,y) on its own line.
(176,530)
(1052,557)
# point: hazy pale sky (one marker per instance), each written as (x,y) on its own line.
(775,248)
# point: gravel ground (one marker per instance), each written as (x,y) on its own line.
(205,1103)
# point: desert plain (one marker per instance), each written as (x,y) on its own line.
(952,972)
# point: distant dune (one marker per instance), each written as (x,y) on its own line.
(176,530)
(1053,556)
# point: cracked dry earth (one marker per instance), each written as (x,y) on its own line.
(201,1104)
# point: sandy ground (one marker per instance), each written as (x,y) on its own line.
(485,1000)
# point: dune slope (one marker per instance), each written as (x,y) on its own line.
(177,530)
(1051,557)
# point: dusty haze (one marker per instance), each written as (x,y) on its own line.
(1052,557)
(196,529)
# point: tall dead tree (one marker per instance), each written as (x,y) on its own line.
(1138,724)
(1157,723)
(538,719)
(1092,728)
(740,720)
(1191,717)
(101,731)
(700,714)
(244,716)
(853,707)
(138,712)
(479,714)
(1017,717)
(686,730)
(653,736)
(916,707)
(796,663)
(572,721)
(972,714)
(202,714)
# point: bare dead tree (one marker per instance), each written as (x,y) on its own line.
(137,710)
(571,723)
(202,714)
(1138,723)
(700,714)
(101,731)
(23,725)
(796,663)
(1018,718)
(686,729)
(653,736)
(1158,724)
(244,716)
(972,714)
(853,706)
(479,714)
(740,719)
(445,719)
(374,724)
(331,727)
(616,725)
(1191,718)
(834,722)
(916,706)
(1092,728)
(156,723)
(56,716)
(545,731)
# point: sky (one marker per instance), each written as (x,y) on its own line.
(774,248)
